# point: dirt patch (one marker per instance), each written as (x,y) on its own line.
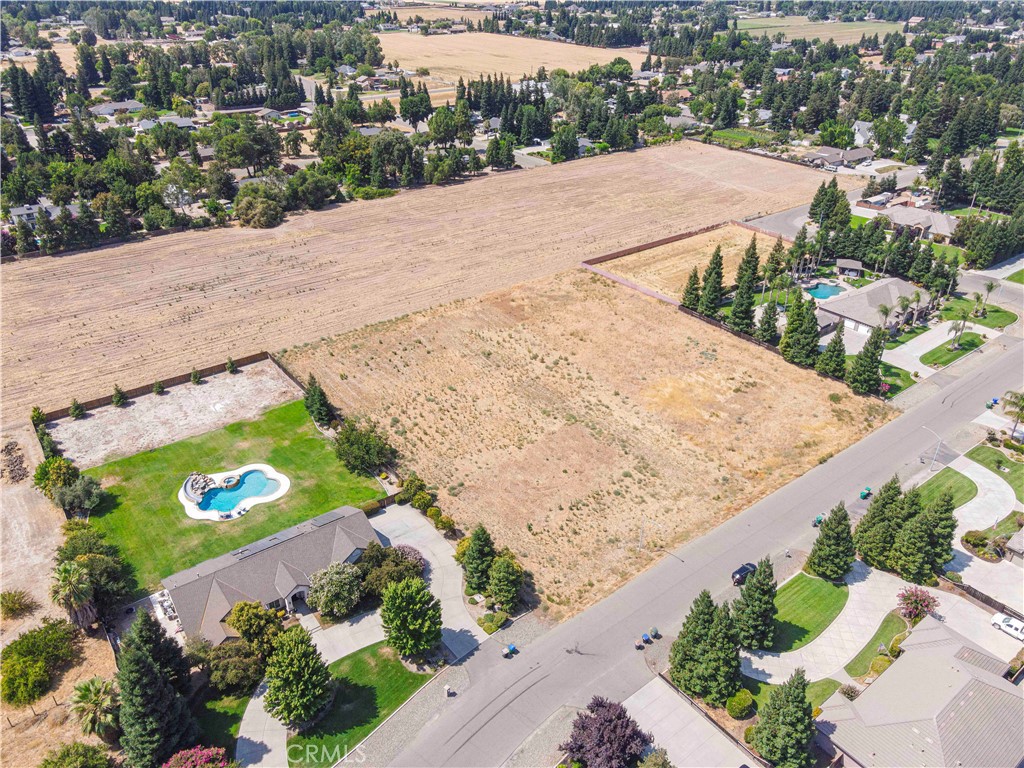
(666,268)
(35,734)
(151,421)
(556,411)
(467,55)
(74,325)
(12,463)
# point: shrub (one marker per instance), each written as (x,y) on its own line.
(194,377)
(460,550)
(76,411)
(879,664)
(335,590)
(15,602)
(748,734)
(413,555)
(896,646)
(740,704)
(76,755)
(56,472)
(955,577)
(230,366)
(24,681)
(235,667)
(851,692)
(363,449)
(38,417)
(158,388)
(47,443)
(444,524)
(412,485)
(84,494)
(119,398)
(472,601)
(975,539)
(424,502)
(433,514)
(915,602)
(1012,446)
(259,213)
(492,622)
(200,757)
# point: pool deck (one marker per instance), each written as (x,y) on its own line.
(216,515)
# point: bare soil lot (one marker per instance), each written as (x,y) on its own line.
(666,268)
(470,54)
(151,421)
(555,411)
(74,325)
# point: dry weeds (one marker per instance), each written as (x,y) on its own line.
(557,411)
(74,325)
(666,268)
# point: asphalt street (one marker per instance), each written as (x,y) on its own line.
(506,701)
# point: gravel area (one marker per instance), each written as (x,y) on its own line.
(184,411)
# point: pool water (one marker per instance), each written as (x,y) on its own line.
(252,483)
(824,291)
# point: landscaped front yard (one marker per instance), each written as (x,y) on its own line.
(219,718)
(373,683)
(805,607)
(961,486)
(892,625)
(988,458)
(817,692)
(995,317)
(942,355)
(144,518)
(906,336)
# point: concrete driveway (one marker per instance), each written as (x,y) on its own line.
(689,739)
(262,739)
(401,524)
(908,356)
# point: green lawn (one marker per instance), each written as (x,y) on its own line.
(897,378)
(858,282)
(1016,277)
(995,317)
(856,221)
(961,486)
(945,251)
(943,355)
(145,519)
(914,332)
(805,607)
(780,299)
(373,684)
(892,625)
(817,692)
(741,137)
(976,211)
(988,457)
(219,718)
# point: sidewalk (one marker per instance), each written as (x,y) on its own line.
(908,356)
(995,499)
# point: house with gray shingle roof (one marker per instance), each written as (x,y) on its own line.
(273,571)
(943,702)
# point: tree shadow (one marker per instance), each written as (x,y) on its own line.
(355,705)
(787,635)
(529,599)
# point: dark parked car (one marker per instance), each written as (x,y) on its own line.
(740,574)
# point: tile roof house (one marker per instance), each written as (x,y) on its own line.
(859,307)
(273,571)
(943,702)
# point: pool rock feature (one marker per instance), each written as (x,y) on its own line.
(229,495)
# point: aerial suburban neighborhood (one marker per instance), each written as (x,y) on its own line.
(541,384)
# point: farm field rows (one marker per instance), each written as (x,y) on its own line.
(666,268)
(555,411)
(472,54)
(130,314)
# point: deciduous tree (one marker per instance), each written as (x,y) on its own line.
(411,616)
(298,681)
(605,736)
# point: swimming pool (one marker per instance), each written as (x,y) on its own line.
(825,291)
(250,485)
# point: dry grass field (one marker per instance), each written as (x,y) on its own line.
(556,411)
(74,325)
(666,268)
(440,11)
(795,27)
(471,54)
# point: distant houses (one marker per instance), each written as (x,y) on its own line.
(111,108)
(835,158)
(30,213)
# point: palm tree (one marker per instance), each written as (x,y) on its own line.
(94,702)
(72,590)
(917,304)
(904,304)
(767,274)
(990,286)
(884,310)
(1013,406)
(785,283)
(977,304)
(958,327)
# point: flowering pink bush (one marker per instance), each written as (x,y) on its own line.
(413,555)
(201,757)
(915,602)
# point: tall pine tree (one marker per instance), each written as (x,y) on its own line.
(941,530)
(877,529)
(832,360)
(864,377)
(155,719)
(687,653)
(478,558)
(691,295)
(742,316)
(713,290)
(768,323)
(721,664)
(833,552)
(785,726)
(910,555)
(754,611)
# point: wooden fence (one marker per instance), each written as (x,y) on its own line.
(652,244)
(146,389)
(981,597)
